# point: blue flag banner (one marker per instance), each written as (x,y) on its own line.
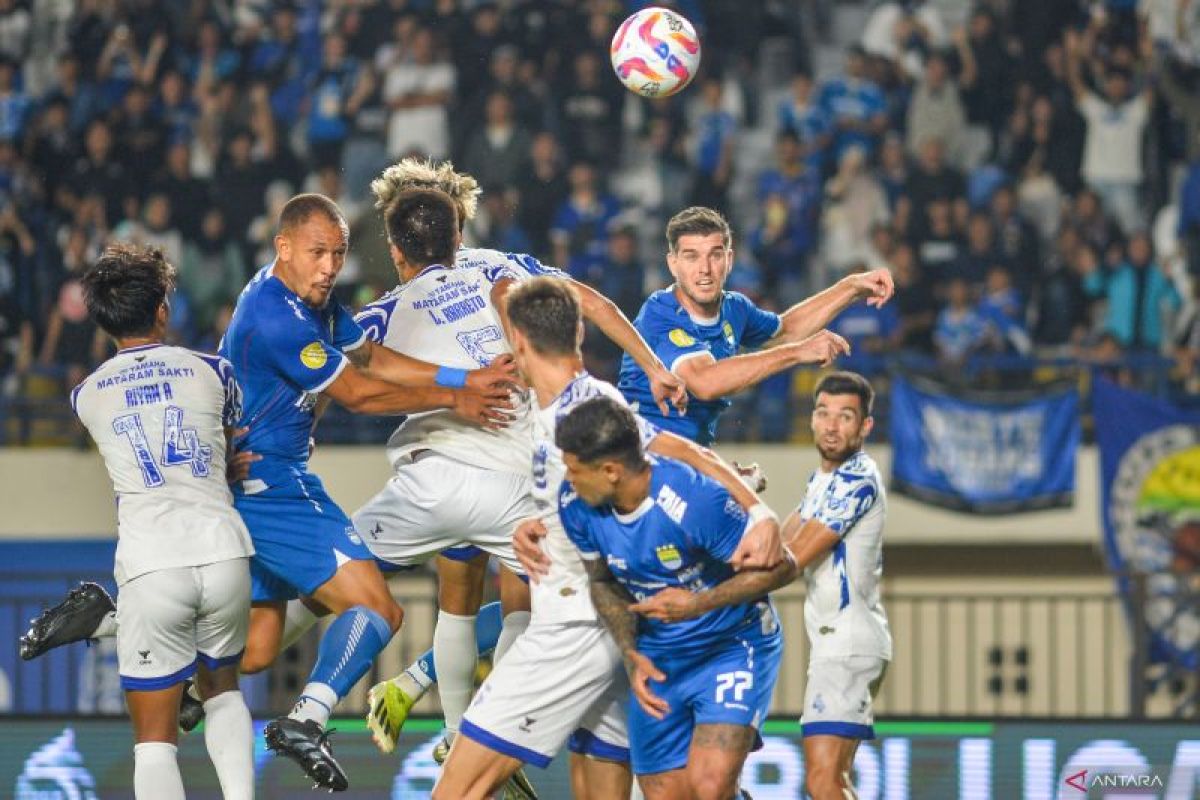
(984,453)
(1150,496)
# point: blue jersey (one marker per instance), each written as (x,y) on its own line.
(682,535)
(284,354)
(675,336)
(852,100)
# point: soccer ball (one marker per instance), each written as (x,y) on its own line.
(655,52)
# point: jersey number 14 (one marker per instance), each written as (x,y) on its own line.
(180,446)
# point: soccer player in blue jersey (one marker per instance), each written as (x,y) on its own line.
(289,345)
(644,524)
(698,329)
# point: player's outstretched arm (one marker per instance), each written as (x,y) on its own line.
(762,546)
(675,605)
(366,395)
(811,315)
(605,315)
(807,540)
(383,363)
(709,379)
(612,603)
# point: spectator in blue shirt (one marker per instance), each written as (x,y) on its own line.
(14,105)
(335,94)
(580,226)
(961,330)
(1138,292)
(712,158)
(280,60)
(1003,308)
(790,197)
(800,114)
(855,105)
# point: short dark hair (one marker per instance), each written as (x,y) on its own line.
(601,429)
(125,287)
(848,383)
(423,223)
(697,220)
(547,312)
(300,208)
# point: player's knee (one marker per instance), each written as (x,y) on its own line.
(709,784)
(823,782)
(391,611)
(256,659)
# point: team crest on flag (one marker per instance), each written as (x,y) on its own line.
(681,338)
(668,556)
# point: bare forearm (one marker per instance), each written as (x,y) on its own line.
(388,365)
(370,396)
(604,314)
(746,585)
(731,375)
(809,316)
(704,460)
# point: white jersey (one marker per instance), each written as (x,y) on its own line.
(562,594)
(843,611)
(446,316)
(158,415)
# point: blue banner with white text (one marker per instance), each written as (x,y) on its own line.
(986,454)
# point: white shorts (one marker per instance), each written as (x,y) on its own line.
(837,698)
(558,682)
(436,503)
(171,619)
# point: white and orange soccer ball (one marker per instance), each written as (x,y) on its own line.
(655,52)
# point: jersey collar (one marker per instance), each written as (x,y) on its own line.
(140,348)
(633,516)
(430,268)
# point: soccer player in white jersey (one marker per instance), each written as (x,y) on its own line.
(459,582)
(560,680)
(161,416)
(836,536)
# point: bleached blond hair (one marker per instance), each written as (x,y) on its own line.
(421,173)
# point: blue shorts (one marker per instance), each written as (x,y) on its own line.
(300,537)
(729,684)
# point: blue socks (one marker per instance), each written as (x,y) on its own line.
(347,650)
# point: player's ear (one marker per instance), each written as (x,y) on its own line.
(579,334)
(867,425)
(283,247)
(397,256)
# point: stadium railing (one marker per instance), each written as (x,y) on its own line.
(992,655)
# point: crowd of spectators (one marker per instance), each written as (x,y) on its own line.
(1029,170)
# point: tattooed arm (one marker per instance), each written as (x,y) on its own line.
(675,605)
(612,603)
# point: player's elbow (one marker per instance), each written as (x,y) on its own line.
(702,387)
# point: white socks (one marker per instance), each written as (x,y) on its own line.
(316,703)
(107,627)
(156,772)
(514,625)
(229,736)
(455,656)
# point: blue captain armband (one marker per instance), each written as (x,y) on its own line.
(451,378)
